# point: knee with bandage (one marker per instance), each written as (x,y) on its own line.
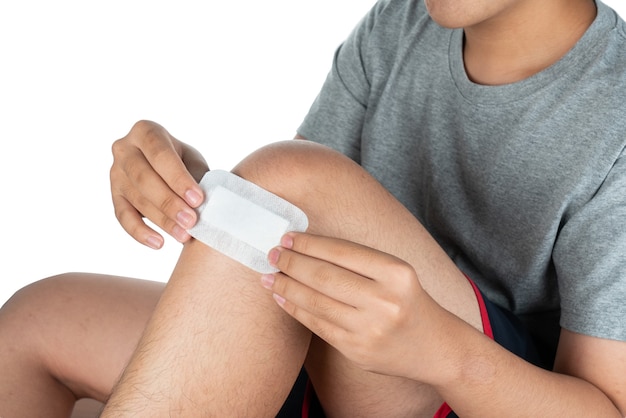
(244,221)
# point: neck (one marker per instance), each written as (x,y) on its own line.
(521,41)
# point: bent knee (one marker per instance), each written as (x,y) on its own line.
(26,316)
(298,169)
(51,304)
(32,304)
(34,294)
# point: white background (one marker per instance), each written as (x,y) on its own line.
(75,75)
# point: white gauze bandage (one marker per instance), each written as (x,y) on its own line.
(244,221)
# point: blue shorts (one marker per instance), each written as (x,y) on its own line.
(499,324)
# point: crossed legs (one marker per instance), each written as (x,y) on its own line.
(216,344)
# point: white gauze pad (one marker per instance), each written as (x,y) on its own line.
(244,221)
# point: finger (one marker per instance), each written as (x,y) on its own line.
(132,222)
(159,148)
(322,315)
(131,207)
(136,180)
(365,261)
(327,331)
(324,277)
(165,223)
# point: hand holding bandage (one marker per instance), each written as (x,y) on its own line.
(244,221)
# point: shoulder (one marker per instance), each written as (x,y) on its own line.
(611,42)
(599,76)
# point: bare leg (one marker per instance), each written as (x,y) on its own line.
(343,201)
(69,337)
(217,345)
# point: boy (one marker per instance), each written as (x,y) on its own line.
(482,153)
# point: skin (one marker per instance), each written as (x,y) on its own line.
(150,156)
(477,378)
(69,337)
(509,40)
(333,281)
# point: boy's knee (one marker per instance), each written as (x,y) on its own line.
(33,302)
(27,315)
(296,169)
(35,306)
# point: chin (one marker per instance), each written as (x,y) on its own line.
(446,13)
(455,14)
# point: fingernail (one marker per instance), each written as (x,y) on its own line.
(154,242)
(193,197)
(273,256)
(267,280)
(286,241)
(180,234)
(185,219)
(279,299)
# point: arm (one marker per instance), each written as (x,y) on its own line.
(155,175)
(386,323)
(598,361)
(582,386)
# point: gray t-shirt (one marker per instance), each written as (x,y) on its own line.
(523,185)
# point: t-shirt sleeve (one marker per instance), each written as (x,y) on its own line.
(337,115)
(590,259)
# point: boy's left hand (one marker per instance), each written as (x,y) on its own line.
(367,304)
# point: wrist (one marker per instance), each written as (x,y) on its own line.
(456,353)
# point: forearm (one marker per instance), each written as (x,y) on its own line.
(481,378)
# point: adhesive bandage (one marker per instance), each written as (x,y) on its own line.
(244,221)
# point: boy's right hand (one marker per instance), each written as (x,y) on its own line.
(154,175)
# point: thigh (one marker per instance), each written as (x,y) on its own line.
(345,390)
(83,328)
